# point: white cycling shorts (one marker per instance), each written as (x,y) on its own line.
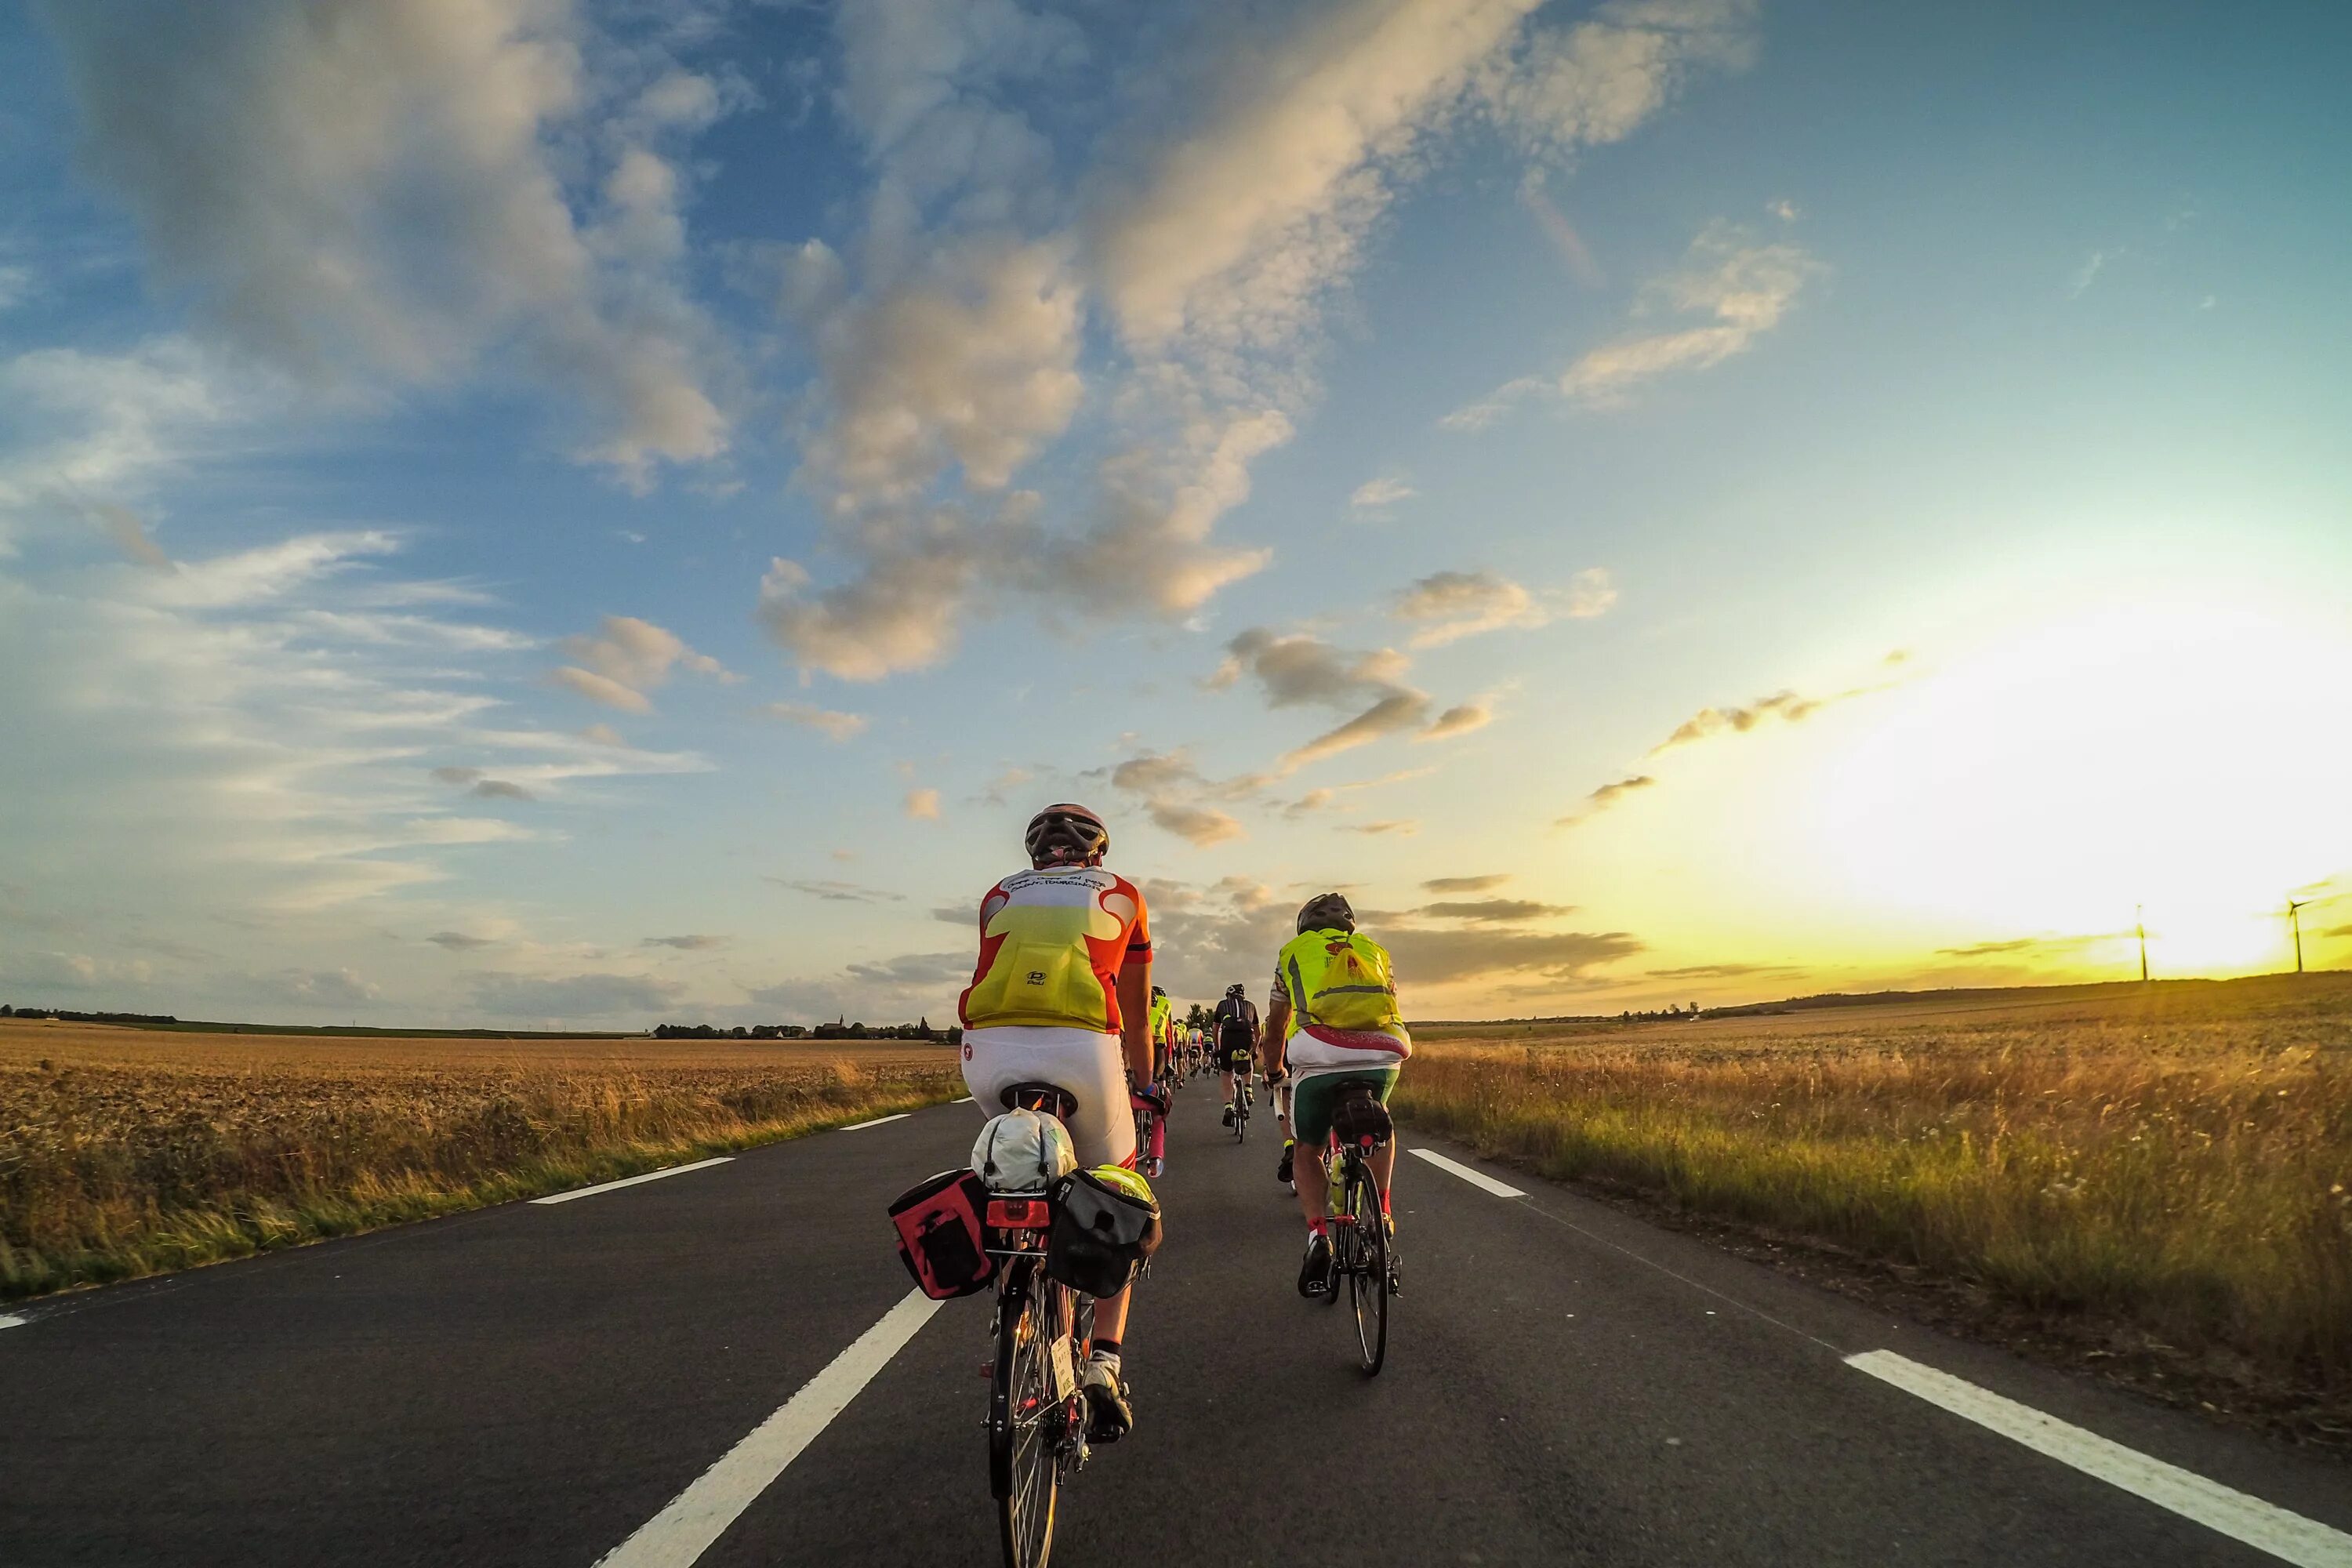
(1088,1066)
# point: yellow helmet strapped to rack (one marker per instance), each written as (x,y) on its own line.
(1129,1182)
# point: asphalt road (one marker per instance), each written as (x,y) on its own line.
(532,1384)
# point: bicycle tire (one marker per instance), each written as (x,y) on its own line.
(1023,1471)
(1368,1282)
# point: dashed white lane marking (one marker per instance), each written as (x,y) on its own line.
(1476,1178)
(2287,1536)
(630,1181)
(698,1516)
(862,1126)
(11,1320)
(965,1101)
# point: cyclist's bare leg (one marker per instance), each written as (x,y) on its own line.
(1110,1317)
(1314,1182)
(1383,1164)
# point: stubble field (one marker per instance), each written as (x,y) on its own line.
(125,1152)
(2159,1178)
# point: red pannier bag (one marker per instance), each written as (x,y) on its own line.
(940,1240)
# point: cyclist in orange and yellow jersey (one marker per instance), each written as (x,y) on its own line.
(1061,994)
(1333,1019)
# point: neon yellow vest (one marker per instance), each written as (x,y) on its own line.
(1340,980)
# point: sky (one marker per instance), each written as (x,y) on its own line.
(588,512)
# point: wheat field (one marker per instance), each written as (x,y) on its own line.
(125,1152)
(2172,1163)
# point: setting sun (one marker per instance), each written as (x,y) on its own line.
(2167,754)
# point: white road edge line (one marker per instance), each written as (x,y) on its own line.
(700,1514)
(2264,1526)
(965,1101)
(630,1181)
(1476,1178)
(862,1126)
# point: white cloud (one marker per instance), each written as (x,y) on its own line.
(947,334)
(375,193)
(601,688)
(1604,797)
(1455,605)
(1590,592)
(1450,606)
(1597,81)
(1459,720)
(88,435)
(1745,287)
(627,658)
(233,738)
(923,804)
(1298,670)
(1385,491)
(834,726)
(1243,223)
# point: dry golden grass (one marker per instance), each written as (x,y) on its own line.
(125,1152)
(2177,1160)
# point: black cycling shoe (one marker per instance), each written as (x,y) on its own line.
(1229,1116)
(1314,1273)
(1282,1171)
(1110,1417)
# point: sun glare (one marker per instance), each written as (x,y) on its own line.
(2188,760)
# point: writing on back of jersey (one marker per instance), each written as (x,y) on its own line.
(1052,943)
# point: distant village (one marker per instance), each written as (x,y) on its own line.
(841,1029)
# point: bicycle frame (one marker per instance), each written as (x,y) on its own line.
(1042,1331)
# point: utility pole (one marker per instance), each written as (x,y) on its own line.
(2139,923)
(2294,919)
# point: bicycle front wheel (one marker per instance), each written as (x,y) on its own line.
(1367,1281)
(1023,1419)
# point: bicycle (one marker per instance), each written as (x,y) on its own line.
(1042,1331)
(1363,1250)
(1146,1116)
(1241,1106)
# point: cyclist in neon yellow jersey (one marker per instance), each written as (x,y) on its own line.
(1061,994)
(1333,1020)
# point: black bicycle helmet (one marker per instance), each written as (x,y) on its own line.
(1325,911)
(1236,989)
(1067,834)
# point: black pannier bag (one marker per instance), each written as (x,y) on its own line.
(1359,1116)
(938,1221)
(1103,1230)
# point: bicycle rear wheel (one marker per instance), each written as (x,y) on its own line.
(1367,1281)
(1024,1422)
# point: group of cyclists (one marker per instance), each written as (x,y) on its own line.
(1063,995)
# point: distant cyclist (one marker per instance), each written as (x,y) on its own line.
(1061,994)
(1333,1021)
(1237,1025)
(1163,1080)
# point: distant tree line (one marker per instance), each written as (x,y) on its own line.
(841,1029)
(1658,1014)
(67,1015)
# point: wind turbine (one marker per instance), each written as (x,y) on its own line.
(2294,919)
